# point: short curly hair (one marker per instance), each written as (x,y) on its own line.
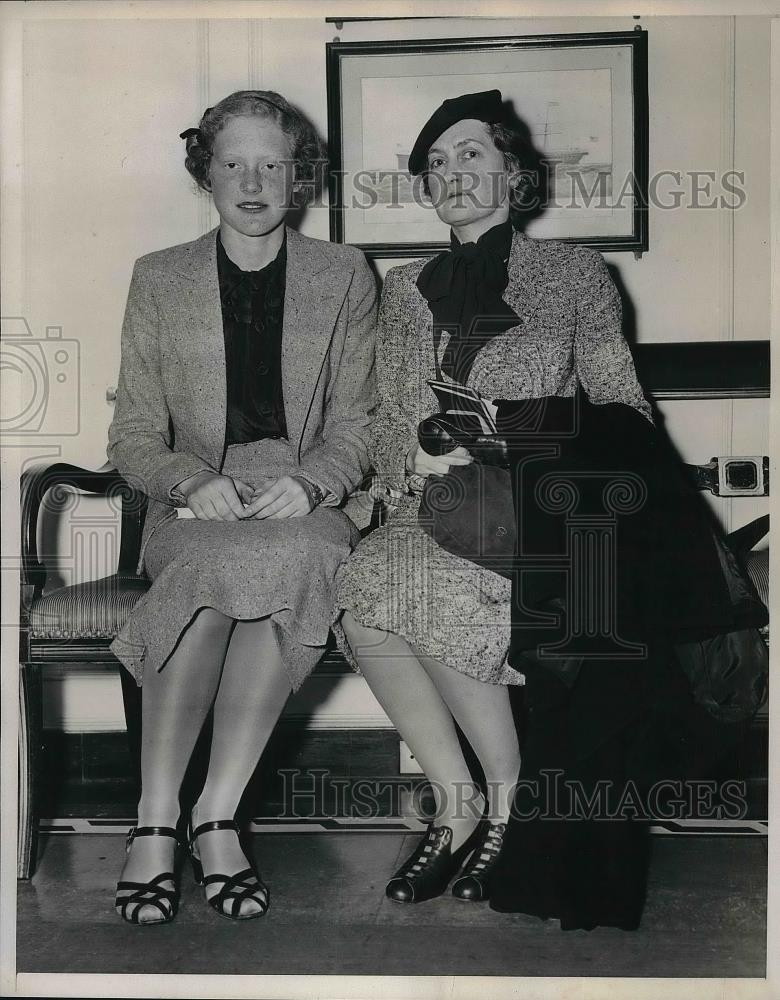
(308,151)
(522,162)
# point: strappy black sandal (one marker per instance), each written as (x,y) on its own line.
(154,893)
(245,884)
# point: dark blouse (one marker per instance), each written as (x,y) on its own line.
(252,315)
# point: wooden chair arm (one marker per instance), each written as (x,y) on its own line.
(37,481)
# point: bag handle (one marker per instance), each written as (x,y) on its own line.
(437,332)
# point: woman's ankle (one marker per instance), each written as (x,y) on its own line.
(459,802)
(206,811)
(462,817)
(151,815)
(501,800)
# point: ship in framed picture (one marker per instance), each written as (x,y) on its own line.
(581,98)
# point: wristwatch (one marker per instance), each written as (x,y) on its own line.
(415,483)
(315,491)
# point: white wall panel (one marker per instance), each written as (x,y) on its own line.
(751,143)
(749,436)
(703,429)
(86,698)
(104,102)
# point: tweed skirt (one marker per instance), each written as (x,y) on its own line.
(399,580)
(278,569)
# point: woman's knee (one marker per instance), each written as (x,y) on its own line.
(211,622)
(363,639)
(354,631)
(374,645)
(255,630)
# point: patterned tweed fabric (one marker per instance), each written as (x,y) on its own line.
(398,579)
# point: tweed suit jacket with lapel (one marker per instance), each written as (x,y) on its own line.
(569,333)
(170,416)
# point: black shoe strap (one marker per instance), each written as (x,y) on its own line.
(217,824)
(154,831)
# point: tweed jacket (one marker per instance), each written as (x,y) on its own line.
(569,333)
(170,416)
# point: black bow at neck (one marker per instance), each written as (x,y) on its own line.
(463,288)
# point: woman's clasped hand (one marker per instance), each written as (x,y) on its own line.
(420,463)
(213,497)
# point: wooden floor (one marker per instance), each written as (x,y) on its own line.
(705,916)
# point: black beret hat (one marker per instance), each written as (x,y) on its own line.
(484,107)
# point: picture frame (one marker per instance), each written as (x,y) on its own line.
(583,98)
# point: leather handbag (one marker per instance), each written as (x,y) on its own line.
(729,672)
(444,432)
(470,513)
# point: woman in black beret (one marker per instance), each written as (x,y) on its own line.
(513,318)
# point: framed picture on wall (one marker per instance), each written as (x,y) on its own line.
(582,99)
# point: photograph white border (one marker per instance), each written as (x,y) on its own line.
(292,986)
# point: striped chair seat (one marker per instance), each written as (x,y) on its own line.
(758,571)
(94,610)
(99,609)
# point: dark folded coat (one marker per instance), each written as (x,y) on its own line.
(614,546)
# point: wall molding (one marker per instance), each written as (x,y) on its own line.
(254,54)
(87,698)
(726,291)
(726,162)
(203,89)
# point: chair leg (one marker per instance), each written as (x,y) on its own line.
(131,697)
(30,737)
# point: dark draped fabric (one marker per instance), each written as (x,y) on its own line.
(607,468)
(604,729)
(463,287)
(252,317)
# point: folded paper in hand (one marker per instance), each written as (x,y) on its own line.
(457,399)
(185,512)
